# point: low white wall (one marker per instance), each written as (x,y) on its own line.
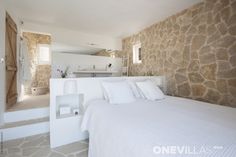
(82,62)
(91,87)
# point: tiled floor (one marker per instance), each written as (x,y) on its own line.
(38,146)
(31,102)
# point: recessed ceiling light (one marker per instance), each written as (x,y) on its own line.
(92,44)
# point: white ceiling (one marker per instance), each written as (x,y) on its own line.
(115,18)
(61,47)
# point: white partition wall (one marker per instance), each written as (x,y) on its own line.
(66,129)
(77,62)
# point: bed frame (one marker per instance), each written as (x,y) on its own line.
(66,129)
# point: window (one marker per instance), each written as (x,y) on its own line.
(44,54)
(137,54)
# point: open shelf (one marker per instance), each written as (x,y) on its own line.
(72,101)
(67,115)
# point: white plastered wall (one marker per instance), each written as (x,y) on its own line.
(2,64)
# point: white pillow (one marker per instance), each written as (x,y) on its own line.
(111,81)
(118,92)
(150,90)
(137,93)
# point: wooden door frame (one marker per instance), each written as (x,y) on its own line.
(11,26)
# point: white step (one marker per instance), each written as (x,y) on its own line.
(26,128)
(24,115)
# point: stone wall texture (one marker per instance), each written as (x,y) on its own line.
(195,49)
(40,73)
(105,53)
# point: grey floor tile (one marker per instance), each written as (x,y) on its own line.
(13,150)
(72,148)
(13,143)
(29,151)
(54,154)
(82,154)
(39,146)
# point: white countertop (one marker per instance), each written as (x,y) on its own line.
(94,72)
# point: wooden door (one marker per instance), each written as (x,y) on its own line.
(11,63)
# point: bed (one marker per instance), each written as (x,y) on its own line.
(169,127)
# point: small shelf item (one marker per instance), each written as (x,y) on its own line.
(64,110)
(68,105)
(76,111)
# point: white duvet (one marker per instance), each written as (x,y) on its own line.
(170,127)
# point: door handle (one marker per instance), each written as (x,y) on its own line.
(2,60)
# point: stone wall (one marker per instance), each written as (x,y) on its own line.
(40,73)
(106,53)
(195,49)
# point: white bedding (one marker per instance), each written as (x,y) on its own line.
(135,129)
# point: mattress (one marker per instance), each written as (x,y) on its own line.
(169,127)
